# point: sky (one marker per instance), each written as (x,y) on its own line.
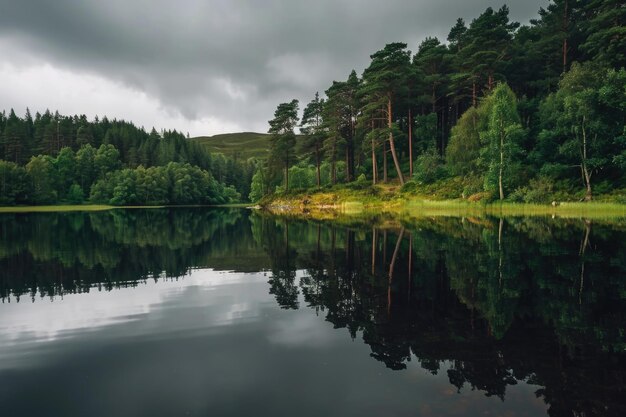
(204,67)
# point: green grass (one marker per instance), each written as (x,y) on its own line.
(97,207)
(386,199)
(464,208)
(32,209)
(242,145)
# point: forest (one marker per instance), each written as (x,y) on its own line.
(497,111)
(52,159)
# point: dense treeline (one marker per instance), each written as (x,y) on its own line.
(52,158)
(500,110)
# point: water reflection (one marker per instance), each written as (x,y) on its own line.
(486,304)
(502,301)
(52,254)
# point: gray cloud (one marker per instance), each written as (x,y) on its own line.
(229,60)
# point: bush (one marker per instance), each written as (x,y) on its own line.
(75,195)
(409,187)
(301,177)
(361,183)
(429,167)
(539,190)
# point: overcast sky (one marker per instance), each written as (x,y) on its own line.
(203,66)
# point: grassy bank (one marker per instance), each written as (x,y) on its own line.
(389,199)
(97,207)
(35,209)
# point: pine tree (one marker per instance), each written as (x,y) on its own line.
(312,127)
(486,49)
(385,82)
(283,139)
(605,28)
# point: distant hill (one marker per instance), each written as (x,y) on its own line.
(243,145)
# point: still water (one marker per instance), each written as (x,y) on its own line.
(197,312)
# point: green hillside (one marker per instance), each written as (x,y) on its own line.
(243,145)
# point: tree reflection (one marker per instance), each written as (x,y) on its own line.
(490,301)
(52,254)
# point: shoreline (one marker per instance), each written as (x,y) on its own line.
(330,204)
(101,207)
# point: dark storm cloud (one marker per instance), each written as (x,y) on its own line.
(234,60)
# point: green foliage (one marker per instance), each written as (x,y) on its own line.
(501,155)
(464,147)
(539,190)
(453,98)
(65,167)
(429,167)
(257,188)
(85,166)
(283,138)
(42,178)
(583,124)
(13,183)
(75,195)
(82,151)
(301,177)
(242,146)
(174,184)
(558,120)
(606,32)
(106,159)
(409,187)
(425,132)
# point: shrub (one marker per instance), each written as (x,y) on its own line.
(75,195)
(539,190)
(429,167)
(409,187)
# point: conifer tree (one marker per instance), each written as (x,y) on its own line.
(283,137)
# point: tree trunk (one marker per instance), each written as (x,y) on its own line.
(351,174)
(587,174)
(444,122)
(410,144)
(433,99)
(317,164)
(394,256)
(319,246)
(286,177)
(410,265)
(585,169)
(384,247)
(374,244)
(374,164)
(500,186)
(583,248)
(385,162)
(500,255)
(333,167)
(392,144)
(392,264)
(348,179)
(474,93)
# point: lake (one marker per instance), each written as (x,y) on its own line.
(196,312)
